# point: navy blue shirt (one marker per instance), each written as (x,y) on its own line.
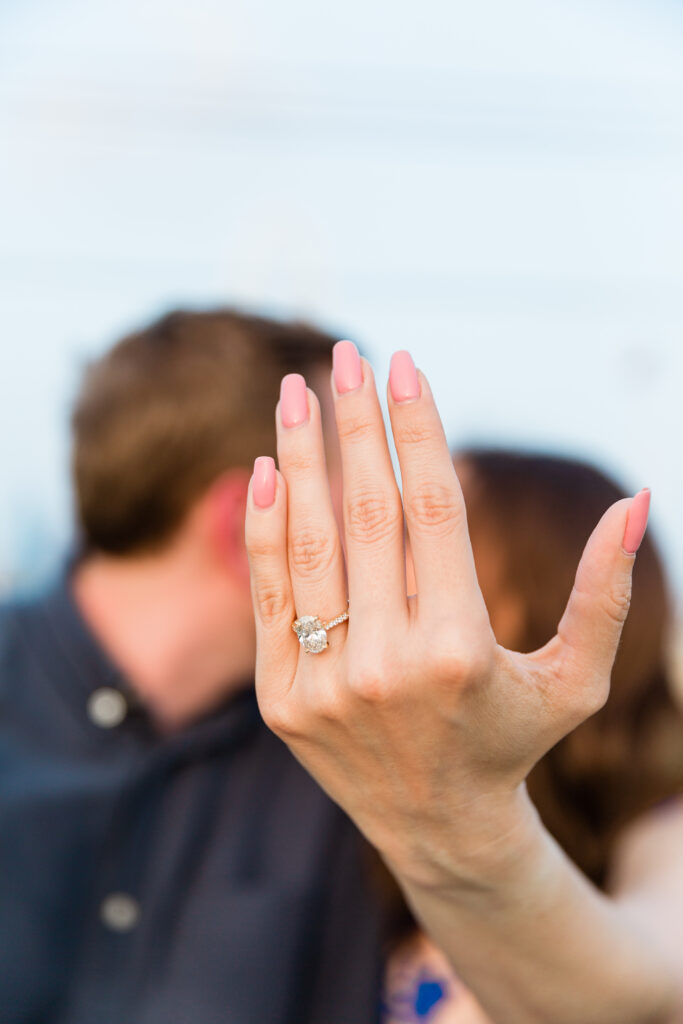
(196,878)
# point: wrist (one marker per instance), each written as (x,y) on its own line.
(490,846)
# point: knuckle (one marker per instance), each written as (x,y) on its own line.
(278,718)
(299,462)
(272,604)
(456,669)
(432,506)
(573,692)
(260,546)
(596,697)
(581,701)
(460,665)
(325,704)
(413,431)
(371,684)
(616,601)
(357,427)
(372,517)
(311,554)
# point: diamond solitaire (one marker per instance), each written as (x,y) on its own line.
(312,632)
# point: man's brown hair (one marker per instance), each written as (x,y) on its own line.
(168,409)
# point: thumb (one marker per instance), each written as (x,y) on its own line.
(593,620)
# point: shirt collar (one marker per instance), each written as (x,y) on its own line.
(72,640)
(89,666)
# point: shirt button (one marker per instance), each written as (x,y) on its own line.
(120,912)
(107,707)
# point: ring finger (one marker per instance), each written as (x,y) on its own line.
(316,561)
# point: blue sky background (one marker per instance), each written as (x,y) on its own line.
(496,186)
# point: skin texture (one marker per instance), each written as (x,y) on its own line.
(423,728)
(646,871)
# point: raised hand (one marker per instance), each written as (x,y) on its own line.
(412,718)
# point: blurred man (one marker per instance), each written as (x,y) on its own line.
(163,858)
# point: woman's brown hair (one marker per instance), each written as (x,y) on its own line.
(537,512)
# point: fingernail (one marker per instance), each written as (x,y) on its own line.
(293,400)
(348,374)
(636,523)
(403,380)
(263,482)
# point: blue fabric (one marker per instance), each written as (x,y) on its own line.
(429,993)
(254,908)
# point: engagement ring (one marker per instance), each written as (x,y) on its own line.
(312,632)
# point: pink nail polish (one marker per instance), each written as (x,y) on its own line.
(293,400)
(263,482)
(348,373)
(636,523)
(403,380)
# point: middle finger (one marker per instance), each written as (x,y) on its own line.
(373,513)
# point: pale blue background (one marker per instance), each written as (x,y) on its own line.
(497,186)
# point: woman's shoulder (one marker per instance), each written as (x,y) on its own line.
(647,877)
(648,852)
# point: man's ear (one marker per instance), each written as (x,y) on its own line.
(225,507)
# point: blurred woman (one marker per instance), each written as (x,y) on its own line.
(611,792)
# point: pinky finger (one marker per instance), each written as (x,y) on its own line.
(271,587)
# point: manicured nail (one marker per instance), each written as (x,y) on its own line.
(348,374)
(636,523)
(403,380)
(263,483)
(293,400)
